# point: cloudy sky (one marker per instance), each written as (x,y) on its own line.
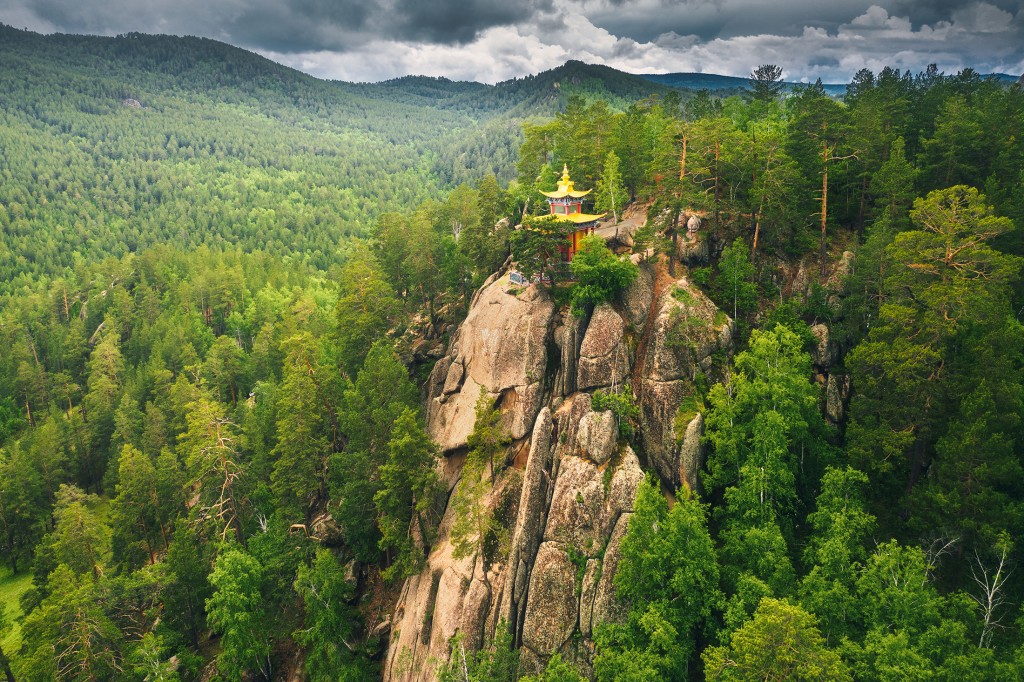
(493,40)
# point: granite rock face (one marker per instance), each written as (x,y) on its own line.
(565,502)
(500,348)
(603,359)
(690,336)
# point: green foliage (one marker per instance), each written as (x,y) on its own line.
(149,661)
(80,539)
(735,283)
(5,663)
(23,505)
(611,193)
(836,551)
(366,307)
(384,477)
(766,83)
(475,521)
(139,517)
(668,574)
(332,625)
(408,489)
(760,423)
(237,610)
(556,670)
(782,642)
(10,419)
(498,663)
(304,420)
(537,246)
(623,405)
(210,446)
(70,632)
(186,588)
(942,335)
(600,274)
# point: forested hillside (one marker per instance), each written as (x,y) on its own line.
(230,314)
(111,145)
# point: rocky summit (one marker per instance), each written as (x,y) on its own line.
(567,494)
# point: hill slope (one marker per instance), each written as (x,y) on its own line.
(113,144)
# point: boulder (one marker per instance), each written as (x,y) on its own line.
(837,278)
(638,296)
(622,492)
(688,330)
(553,606)
(569,416)
(568,337)
(597,435)
(693,250)
(659,403)
(691,454)
(837,390)
(824,354)
(608,609)
(453,380)
(603,358)
(588,592)
(577,506)
(529,520)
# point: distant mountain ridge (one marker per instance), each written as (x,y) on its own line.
(735,84)
(716,83)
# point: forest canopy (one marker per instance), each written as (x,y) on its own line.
(223,286)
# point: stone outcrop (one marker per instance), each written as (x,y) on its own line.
(638,297)
(825,350)
(603,357)
(837,392)
(693,250)
(691,453)
(500,348)
(687,331)
(564,504)
(597,435)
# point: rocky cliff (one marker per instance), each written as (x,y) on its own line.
(565,493)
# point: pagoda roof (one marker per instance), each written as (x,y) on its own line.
(565,188)
(576,218)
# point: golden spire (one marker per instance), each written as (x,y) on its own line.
(565,187)
(565,184)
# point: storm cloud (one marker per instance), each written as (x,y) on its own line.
(492,40)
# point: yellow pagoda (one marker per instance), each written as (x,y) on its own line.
(566,203)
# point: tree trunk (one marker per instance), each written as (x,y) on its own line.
(757,232)
(824,205)
(863,206)
(675,243)
(6,665)
(682,161)
(717,179)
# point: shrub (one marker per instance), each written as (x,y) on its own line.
(600,274)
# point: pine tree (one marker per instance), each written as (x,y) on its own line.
(237,610)
(302,428)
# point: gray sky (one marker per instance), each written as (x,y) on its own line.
(493,40)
